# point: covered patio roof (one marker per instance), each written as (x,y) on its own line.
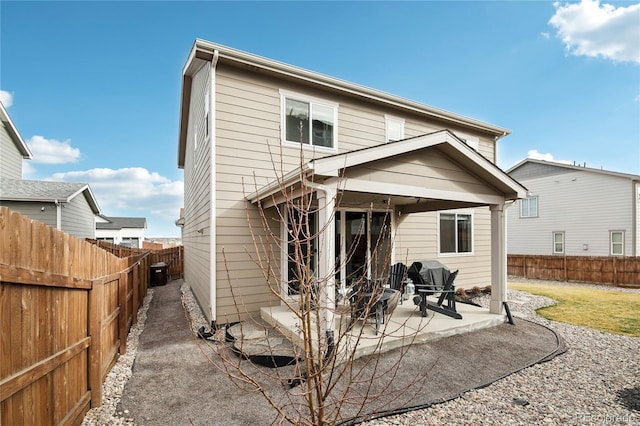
(371,174)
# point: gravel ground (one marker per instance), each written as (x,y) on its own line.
(597,381)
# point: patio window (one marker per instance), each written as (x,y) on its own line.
(558,242)
(309,121)
(394,128)
(456,230)
(529,207)
(617,243)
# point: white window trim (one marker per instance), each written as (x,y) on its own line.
(564,242)
(537,207)
(311,99)
(387,120)
(611,243)
(473,240)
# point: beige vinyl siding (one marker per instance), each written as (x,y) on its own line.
(197,230)
(584,205)
(417,239)
(77,218)
(11,159)
(248,150)
(430,170)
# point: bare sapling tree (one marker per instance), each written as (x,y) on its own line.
(326,381)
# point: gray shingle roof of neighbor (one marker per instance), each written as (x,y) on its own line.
(45,191)
(573,167)
(122,222)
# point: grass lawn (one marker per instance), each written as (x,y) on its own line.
(605,310)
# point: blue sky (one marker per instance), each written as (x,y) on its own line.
(94,87)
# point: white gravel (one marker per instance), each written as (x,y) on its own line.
(580,387)
(118,376)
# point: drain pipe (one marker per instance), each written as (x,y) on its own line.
(213,283)
(326,207)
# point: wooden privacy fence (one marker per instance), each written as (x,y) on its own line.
(66,307)
(613,270)
(172,256)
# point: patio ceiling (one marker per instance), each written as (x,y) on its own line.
(431,172)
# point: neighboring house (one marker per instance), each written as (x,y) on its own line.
(575,211)
(69,207)
(240,118)
(13,149)
(127,231)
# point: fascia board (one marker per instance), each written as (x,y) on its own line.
(345,86)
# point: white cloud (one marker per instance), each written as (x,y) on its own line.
(592,29)
(51,151)
(124,190)
(6,98)
(535,155)
(545,34)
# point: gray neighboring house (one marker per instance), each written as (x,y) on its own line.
(127,231)
(69,207)
(13,148)
(574,210)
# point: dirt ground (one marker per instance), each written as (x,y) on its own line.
(175,379)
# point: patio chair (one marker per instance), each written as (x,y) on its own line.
(432,277)
(398,278)
(371,300)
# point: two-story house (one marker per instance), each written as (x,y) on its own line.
(252,129)
(69,207)
(574,210)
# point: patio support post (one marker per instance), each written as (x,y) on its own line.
(326,258)
(498,258)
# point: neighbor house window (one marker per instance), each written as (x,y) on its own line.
(558,242)
(394,128)
(456,230)
(529,207)
(309,121)
(617,243)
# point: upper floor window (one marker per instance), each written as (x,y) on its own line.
(529,207)
(558,242)
(617,243)
(456,231)
(394,128)
(309,121)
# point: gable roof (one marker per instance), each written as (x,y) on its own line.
(572,167)
(14,134)
(332,166)
(121,222)
(45,191)
(203,50)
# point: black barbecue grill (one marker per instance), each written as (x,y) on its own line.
(432,277)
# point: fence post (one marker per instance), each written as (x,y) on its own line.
(615,271)
(96,313)
(136,293)
(123,316)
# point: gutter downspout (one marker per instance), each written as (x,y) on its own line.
(326,255)
(58,215)
(212,185)
(635,218)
